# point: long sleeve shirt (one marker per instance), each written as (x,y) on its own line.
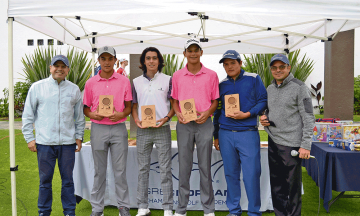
(253,99)
(57,112)
(290,108)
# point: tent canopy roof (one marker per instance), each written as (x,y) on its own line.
(258,26)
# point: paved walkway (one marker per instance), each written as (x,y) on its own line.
(18,124)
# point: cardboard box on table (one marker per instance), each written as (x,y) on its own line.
(351,132)
(334,131)
(333,142)
(345,122)
(323,132)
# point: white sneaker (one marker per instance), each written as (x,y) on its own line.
(143,212)
(177,214)
(168,213)
(210,214)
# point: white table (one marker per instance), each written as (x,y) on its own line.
(84,178)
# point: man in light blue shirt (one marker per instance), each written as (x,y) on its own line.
(55,106)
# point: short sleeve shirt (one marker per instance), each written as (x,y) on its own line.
(121,71)
(117,85)
(203,87)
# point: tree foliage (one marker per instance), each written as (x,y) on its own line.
(301,68)
(20,92)
(357,95)
(172,64)
(36,66)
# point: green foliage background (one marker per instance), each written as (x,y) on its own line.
(357,95)
(172,64)
(36,66)
(301,68)
(20,92)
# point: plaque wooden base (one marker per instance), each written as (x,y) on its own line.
(148,116)
(188,109)
(106,105)
(232,104)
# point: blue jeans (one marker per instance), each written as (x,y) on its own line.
(47,155)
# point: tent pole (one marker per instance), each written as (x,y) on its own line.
(93,45)
(338,30)
(11,116)
(93,64)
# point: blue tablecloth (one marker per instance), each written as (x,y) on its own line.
(339,170)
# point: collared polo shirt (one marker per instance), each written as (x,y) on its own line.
(155,91)
(117,85)
(203,87)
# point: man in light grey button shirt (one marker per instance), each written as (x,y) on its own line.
(55,106)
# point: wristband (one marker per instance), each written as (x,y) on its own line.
(167,117)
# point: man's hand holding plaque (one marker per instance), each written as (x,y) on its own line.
(116,116)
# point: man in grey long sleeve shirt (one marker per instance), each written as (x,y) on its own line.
(291,112)
(55,106)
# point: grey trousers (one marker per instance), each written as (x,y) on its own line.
(145,139)
(187,135)
(113,138)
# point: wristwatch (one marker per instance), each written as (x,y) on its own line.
(168,118)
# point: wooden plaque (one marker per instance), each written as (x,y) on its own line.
(106,105)
(188,109)
(232,103)
(148,116)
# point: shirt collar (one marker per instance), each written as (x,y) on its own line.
(242,71)
(286,80)
(98,77)
(201,71)
(148,78)
(51,79)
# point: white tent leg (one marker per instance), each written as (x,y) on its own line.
(93,64)
(11,116)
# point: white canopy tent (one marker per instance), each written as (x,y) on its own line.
(257,26)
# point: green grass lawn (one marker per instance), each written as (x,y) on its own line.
(27,179)
(7,119)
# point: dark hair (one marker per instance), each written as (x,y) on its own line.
(142,58)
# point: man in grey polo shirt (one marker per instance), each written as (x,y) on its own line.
(54,104)
(289,123)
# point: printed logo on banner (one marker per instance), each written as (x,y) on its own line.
(215,167)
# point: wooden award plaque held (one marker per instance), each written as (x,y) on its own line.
(148,116)
(106,105)
(232,104)
(188,109)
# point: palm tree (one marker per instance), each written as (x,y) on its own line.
(36,66)
(172,64)
(260,64)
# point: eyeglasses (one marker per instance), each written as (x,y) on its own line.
(281,67)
